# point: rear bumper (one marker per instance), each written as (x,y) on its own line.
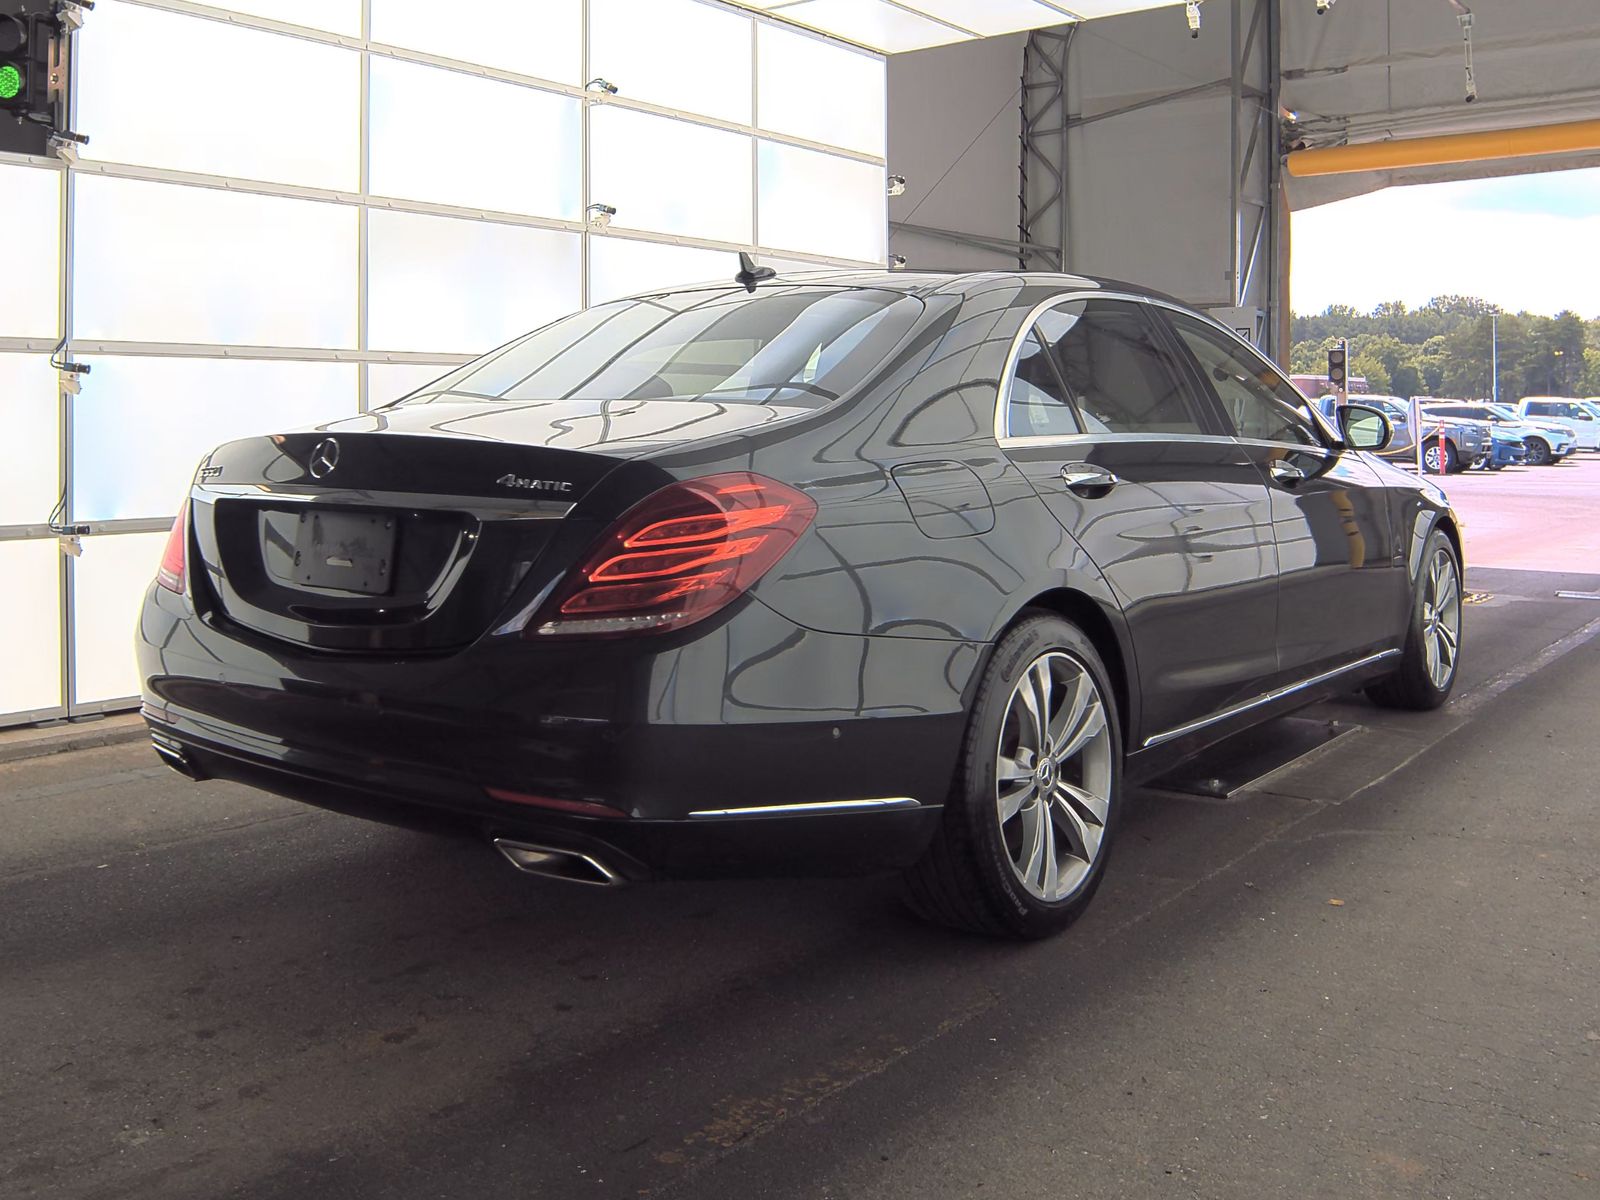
(819,842)
(757,713)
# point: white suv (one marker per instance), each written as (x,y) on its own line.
(1566,411)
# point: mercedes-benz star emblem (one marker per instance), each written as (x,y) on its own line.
(324,458)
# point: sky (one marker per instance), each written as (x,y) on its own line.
(1529,242)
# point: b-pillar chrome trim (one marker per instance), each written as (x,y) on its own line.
(1268,698)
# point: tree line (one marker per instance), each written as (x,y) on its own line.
(1444,348)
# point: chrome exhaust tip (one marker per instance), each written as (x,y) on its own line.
(552,863)
(175,756)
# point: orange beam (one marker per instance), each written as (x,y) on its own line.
(1528,142)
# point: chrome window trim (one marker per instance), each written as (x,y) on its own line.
(1265,698)
(1301,447)
(1089,439)
(1002,431)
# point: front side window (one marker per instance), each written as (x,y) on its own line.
(1259,402)
(795,346)
(1115,369)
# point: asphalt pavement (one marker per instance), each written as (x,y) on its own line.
(1374,973)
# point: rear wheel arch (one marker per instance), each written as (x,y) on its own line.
(1084,612)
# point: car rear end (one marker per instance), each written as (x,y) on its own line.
(435,616)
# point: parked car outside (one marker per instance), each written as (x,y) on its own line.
(1506,449)
(1508,445)
(1548,441)
(1567,411)
(1544,442)
(1466,443)
(834,574)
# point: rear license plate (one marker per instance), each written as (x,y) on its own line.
(351,552)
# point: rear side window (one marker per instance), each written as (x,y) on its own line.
(1116,370)
(1541,410)
(1038,403)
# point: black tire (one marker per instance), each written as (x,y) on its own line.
(1413,686)
(1430,458)
(1538,451)
(966,878)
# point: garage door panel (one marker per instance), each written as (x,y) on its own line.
(159,262)
(141,425)
(256,122)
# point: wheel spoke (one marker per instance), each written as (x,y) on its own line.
(1031,717)
(1090,724)
(1012,799)
(1032,842)
(1096,806)
(1445,593)
(1432,642)
(1043,683)
(1079,694)
(1082,836)
(1451,638)
(1014,770)
(1050,870)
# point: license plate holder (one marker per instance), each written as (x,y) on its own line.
(346,552)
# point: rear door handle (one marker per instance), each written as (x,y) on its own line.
(1286,472)
(1086,479)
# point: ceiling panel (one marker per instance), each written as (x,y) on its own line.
(894,26)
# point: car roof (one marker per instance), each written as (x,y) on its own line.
(933,283)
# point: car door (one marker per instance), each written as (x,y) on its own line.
(1099,416)
(1342,587)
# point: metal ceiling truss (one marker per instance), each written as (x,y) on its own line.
(1251,272)
(1042,222)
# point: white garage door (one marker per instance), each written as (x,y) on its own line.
(335,201)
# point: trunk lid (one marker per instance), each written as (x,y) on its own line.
(409,529)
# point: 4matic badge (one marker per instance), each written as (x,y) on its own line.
(512,480)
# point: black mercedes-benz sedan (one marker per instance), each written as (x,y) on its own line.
(825,574)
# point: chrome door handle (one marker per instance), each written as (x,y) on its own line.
(1086,479)
(1286,472)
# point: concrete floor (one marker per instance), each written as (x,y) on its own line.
(1374,975)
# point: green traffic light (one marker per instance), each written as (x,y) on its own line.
(10,82)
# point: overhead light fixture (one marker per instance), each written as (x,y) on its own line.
(603,86)
(1191,12)
(897,185)
(600,215)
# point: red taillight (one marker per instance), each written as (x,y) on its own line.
(678,556)
(174,559)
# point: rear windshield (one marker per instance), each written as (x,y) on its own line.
(793,346)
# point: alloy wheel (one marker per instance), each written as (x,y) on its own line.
(1053,776)
(1441,618)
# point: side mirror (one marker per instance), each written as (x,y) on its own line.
(1365,428)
